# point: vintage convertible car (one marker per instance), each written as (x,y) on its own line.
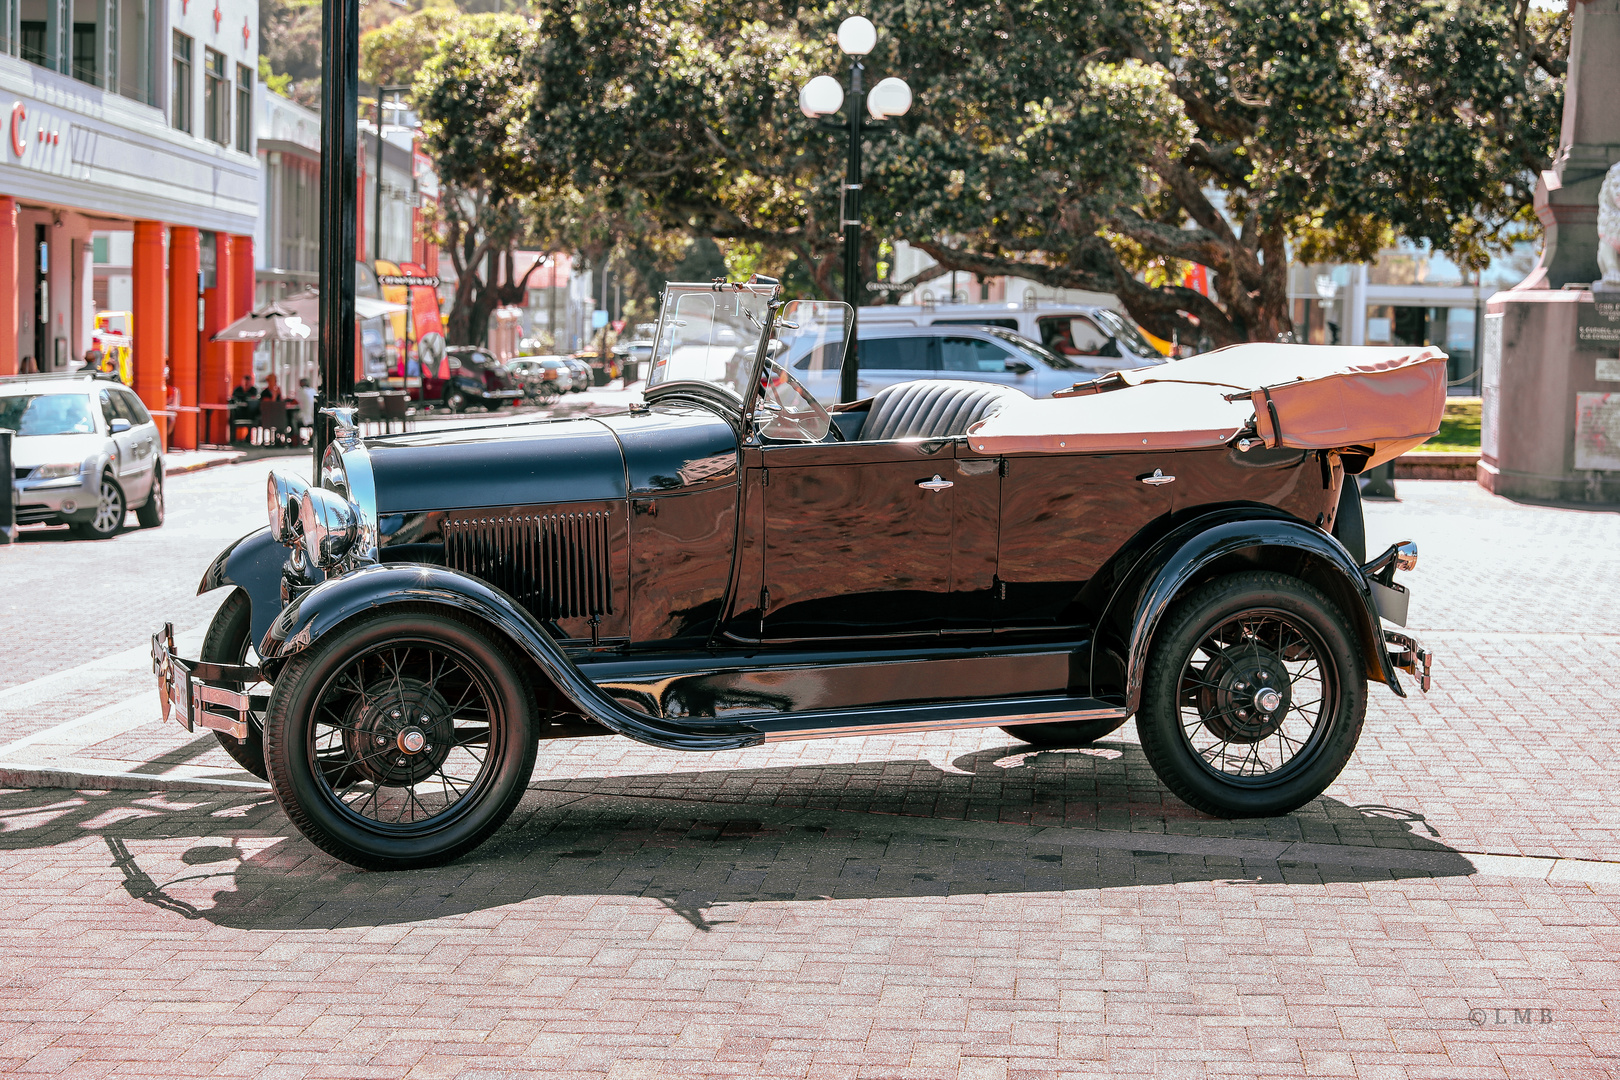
(734,563)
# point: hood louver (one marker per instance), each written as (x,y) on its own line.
(555,565)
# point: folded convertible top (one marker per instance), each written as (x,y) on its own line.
(1373,401)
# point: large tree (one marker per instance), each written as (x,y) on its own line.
(1102,146)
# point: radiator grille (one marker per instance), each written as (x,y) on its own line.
(556,565)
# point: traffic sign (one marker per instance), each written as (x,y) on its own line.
(599,319)
(432,281)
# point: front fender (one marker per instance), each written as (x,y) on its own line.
(1190,551)
(253,564)
(336,601)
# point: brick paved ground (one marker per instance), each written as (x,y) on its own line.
(949,905)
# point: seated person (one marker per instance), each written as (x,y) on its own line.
(245,400)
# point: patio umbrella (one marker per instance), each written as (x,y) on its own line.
(306,305)
(274,322)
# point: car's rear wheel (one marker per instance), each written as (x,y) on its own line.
(151,514)
(230,641)
(455,401)
(1254,696)
(1066,733)
(108,516)
(401,740)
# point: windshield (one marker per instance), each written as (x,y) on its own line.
(803,370)
(47,414)
(1127,332)
(709,335)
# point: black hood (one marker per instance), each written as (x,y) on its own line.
(517,464)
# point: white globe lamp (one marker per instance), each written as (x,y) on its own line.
(856,35)
(891,97)
(821,96)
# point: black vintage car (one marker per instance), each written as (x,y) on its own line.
(734,562)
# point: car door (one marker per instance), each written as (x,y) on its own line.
(885,361)
(145,442)
(856,539)
(1063,516)
(126,466)
(982,360)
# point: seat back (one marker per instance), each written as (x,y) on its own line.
(933,408)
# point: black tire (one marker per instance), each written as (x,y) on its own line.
(455,401)
(335,703)
(1067,733)
(111,508)
(230,641)
(1256,632)
(151,514)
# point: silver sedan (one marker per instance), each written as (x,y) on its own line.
(86,452)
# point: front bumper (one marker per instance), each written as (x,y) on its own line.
(48,501)
(202,694)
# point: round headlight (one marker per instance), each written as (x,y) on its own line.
(329,524)
(333,476)
(282,496)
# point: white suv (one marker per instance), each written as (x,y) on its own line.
(85,453)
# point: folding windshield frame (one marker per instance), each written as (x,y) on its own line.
(666,311)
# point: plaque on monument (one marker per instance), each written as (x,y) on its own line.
(1597,325)
(1597,431)
(1608,371)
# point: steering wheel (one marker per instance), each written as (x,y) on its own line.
(793,415)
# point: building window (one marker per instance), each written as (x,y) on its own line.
(244,108)
(84,52)
(180,113)
(216,99)
(33,43)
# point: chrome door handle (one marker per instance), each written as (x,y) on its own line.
(936,484)
(1157,478)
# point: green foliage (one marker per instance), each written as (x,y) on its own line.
(276,84)
(1104,146)
(395,54)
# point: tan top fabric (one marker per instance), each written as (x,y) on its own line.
(1379,401)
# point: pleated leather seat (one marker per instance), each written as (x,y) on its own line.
(934,408)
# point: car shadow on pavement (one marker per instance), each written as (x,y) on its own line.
(1004,820)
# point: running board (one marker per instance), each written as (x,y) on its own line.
(898,719)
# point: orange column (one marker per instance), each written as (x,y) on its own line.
(214,385)
(8,285)
(184,257)
(146,270)
(241,302)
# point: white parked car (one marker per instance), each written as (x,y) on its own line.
(890,354)
(1080,331)
(86,452)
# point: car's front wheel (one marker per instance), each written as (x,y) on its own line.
(230,641)
(1254,696)
(455,401)
(402,740)
(108,516)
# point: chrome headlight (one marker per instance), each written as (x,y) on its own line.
(330,525)
(283,496)
(334,477)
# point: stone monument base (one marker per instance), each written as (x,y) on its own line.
(1560,401)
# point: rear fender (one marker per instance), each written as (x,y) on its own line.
(1230,541)
(321,610)
(253,564)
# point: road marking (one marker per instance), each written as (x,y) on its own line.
(106,722)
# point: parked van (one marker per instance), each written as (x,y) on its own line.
(1080,331)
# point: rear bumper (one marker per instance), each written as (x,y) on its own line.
(198,694)
(1407,655)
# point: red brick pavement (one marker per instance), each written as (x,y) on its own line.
(950,905)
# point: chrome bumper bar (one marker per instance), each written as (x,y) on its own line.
(1410,657)
(202,694)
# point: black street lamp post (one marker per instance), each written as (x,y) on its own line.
(822,97)
(340,178)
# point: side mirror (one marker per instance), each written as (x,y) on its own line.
(1019,367)
(119,426)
